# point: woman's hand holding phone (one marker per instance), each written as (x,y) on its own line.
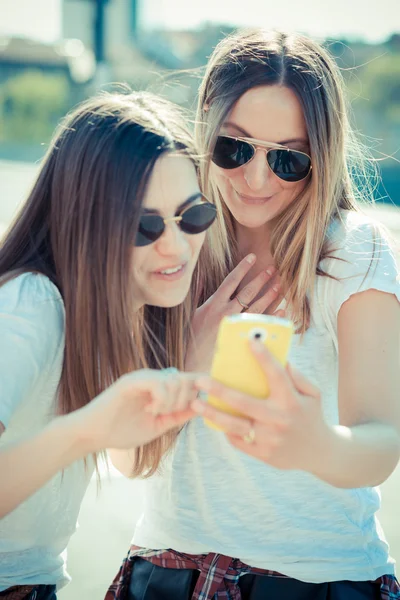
(287,429)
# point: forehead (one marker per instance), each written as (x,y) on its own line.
(271,113)
(172,181)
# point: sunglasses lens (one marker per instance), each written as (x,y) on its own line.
(230,153)
(198,218)
(289,165)
(151,227)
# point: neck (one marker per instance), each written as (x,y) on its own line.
(256,241)
(137,306)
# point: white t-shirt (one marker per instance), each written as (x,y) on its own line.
(209,497)
(33,537)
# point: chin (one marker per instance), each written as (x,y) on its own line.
(251,223)
(165,303)
(254,217)
(168,300)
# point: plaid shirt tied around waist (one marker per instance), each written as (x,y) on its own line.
(219,574)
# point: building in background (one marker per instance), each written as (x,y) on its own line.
(121,21)
(104,44)
(142,59)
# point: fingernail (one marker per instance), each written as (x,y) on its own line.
(257,346)
(251,258)
(276,287)
(270,270)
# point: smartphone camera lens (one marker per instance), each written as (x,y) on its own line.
(258,334)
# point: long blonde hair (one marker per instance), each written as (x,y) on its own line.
(78,227)
(252,58)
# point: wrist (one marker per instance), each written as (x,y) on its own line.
(75,431)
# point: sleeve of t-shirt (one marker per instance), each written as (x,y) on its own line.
(31,330)
(362,258)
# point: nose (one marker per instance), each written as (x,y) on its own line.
(257,171)
(173,241)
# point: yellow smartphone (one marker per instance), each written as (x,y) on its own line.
(235,365)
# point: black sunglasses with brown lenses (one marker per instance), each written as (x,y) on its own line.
(287,164)
(195,217)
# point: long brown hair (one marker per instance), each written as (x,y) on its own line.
(251,58)
(77,227)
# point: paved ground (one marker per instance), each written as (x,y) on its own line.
(107,518)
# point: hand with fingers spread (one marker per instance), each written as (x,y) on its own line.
(286,430)
(227,301)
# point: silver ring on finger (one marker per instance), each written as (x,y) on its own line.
(250,436)
(242,304)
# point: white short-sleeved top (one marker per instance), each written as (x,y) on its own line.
(209,497)
(33,538)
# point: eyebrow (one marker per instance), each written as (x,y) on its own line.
(281,143)
(192,198)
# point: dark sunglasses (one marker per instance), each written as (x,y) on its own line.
(195,218)
(288,165)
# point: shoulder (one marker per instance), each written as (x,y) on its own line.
(31,302)
(29,290)
(360,257)
(31,338)
(356,243)
(351,227)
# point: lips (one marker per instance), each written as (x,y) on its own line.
(171,270)
(170,273)
(249,199)
(253,200)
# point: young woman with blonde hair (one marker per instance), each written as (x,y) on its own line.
(283,504)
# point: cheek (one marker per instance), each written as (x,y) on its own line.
(139,258)
(226,179)
(196,242)
(293,190)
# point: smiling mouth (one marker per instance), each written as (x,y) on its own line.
(171,273)
(253,199)
(171,270)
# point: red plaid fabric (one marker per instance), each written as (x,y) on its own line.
(219,575)
(18,592)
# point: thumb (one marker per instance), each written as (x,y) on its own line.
(301,384)
(170,421)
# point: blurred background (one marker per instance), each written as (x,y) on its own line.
(54,53)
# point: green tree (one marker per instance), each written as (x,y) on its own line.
(31,103)
(377,87)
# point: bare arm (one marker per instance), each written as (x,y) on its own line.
(137,409)
(365,448)
(26,466)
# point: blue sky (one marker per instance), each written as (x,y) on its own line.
(352,18)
